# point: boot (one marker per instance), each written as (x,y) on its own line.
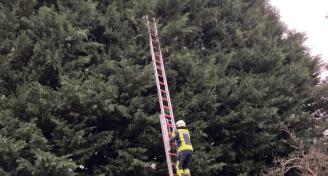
(179,171)
(186,172)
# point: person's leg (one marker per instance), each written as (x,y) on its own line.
(180,163)
(185,166)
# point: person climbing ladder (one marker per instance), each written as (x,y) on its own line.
(185,149)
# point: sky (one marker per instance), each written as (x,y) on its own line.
(308,16)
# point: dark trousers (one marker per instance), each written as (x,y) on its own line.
(184,158)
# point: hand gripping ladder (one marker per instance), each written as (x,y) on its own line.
(166,116)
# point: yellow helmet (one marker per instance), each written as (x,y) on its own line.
(180,123)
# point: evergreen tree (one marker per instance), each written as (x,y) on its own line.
(77,93)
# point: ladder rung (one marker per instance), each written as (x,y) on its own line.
(159,75)
(173,154)
(153,25)
(158,68)
(167,116)
(165,99)
(164,92)
(169,125)
(161,83)
(157,61)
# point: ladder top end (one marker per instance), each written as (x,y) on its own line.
(145,17)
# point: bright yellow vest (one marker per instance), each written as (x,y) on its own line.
(185,140)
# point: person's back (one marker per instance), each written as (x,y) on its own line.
(185,149)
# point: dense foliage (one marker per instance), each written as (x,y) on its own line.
(77,94)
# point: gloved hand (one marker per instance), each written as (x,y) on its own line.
(171,134)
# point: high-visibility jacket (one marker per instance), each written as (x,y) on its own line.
(182,137)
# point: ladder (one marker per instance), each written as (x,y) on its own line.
(166,117)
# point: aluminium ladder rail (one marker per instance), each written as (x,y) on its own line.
(166,116)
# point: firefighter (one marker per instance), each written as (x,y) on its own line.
(182,137)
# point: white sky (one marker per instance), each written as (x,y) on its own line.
(307,16)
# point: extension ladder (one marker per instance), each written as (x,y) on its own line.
(166,116)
